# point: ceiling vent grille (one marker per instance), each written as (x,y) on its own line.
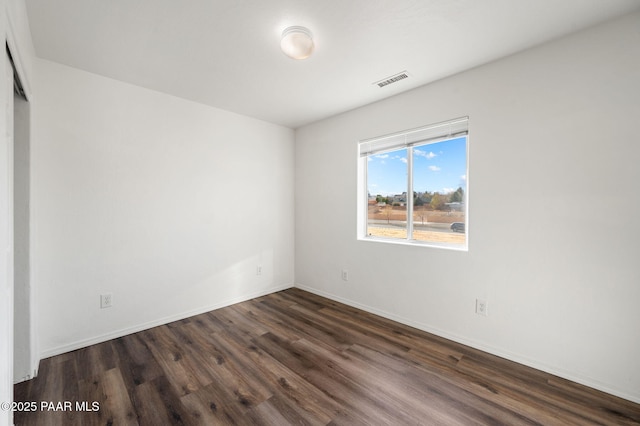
(394,78)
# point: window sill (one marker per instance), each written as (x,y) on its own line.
(415,243)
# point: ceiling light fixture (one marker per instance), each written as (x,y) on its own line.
(297,42)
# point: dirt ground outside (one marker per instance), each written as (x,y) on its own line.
(421,215)
(430,236)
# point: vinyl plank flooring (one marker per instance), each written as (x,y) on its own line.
(277,411)
(293,357)
(137,364)
(117,400)
(150,406)
(214,405)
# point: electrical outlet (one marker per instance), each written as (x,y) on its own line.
(482,307)
(345,275)
(106,301)
(259,270)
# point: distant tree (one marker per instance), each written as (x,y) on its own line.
(457,196)
(379,198)
(388,210)
(437,202)
(418,202)
(421,213)
(426,197)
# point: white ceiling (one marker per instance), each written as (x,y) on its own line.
(225,53)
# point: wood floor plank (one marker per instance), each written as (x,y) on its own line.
(169,355)
(149,405)
(95,359)
(275,411)
(310,401)
(363,404)
(117,401)
(429,385)
(274,324)
(310,325)
(171,403)
(225,363)
(296,393)
(293,357)
(91,389)
(136,362)
(213,405)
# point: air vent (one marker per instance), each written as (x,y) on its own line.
(387,81)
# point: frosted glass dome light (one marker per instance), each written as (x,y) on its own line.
(297,42)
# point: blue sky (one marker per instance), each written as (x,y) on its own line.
(437,167)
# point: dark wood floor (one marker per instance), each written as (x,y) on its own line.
(296,358)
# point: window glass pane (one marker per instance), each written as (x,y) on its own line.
(440,191)
(387,192)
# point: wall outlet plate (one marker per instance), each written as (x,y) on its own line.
(482,307)
(106,300)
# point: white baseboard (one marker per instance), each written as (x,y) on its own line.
(150,324)
(520,359)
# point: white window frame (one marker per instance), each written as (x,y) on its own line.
(421,136)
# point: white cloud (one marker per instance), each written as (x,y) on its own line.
(428,155)
(434,168)
(463,177)
(404,160)
(382,156)
(448,190)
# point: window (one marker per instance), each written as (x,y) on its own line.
(430,163)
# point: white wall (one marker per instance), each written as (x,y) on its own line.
(167,204)
(553,226)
